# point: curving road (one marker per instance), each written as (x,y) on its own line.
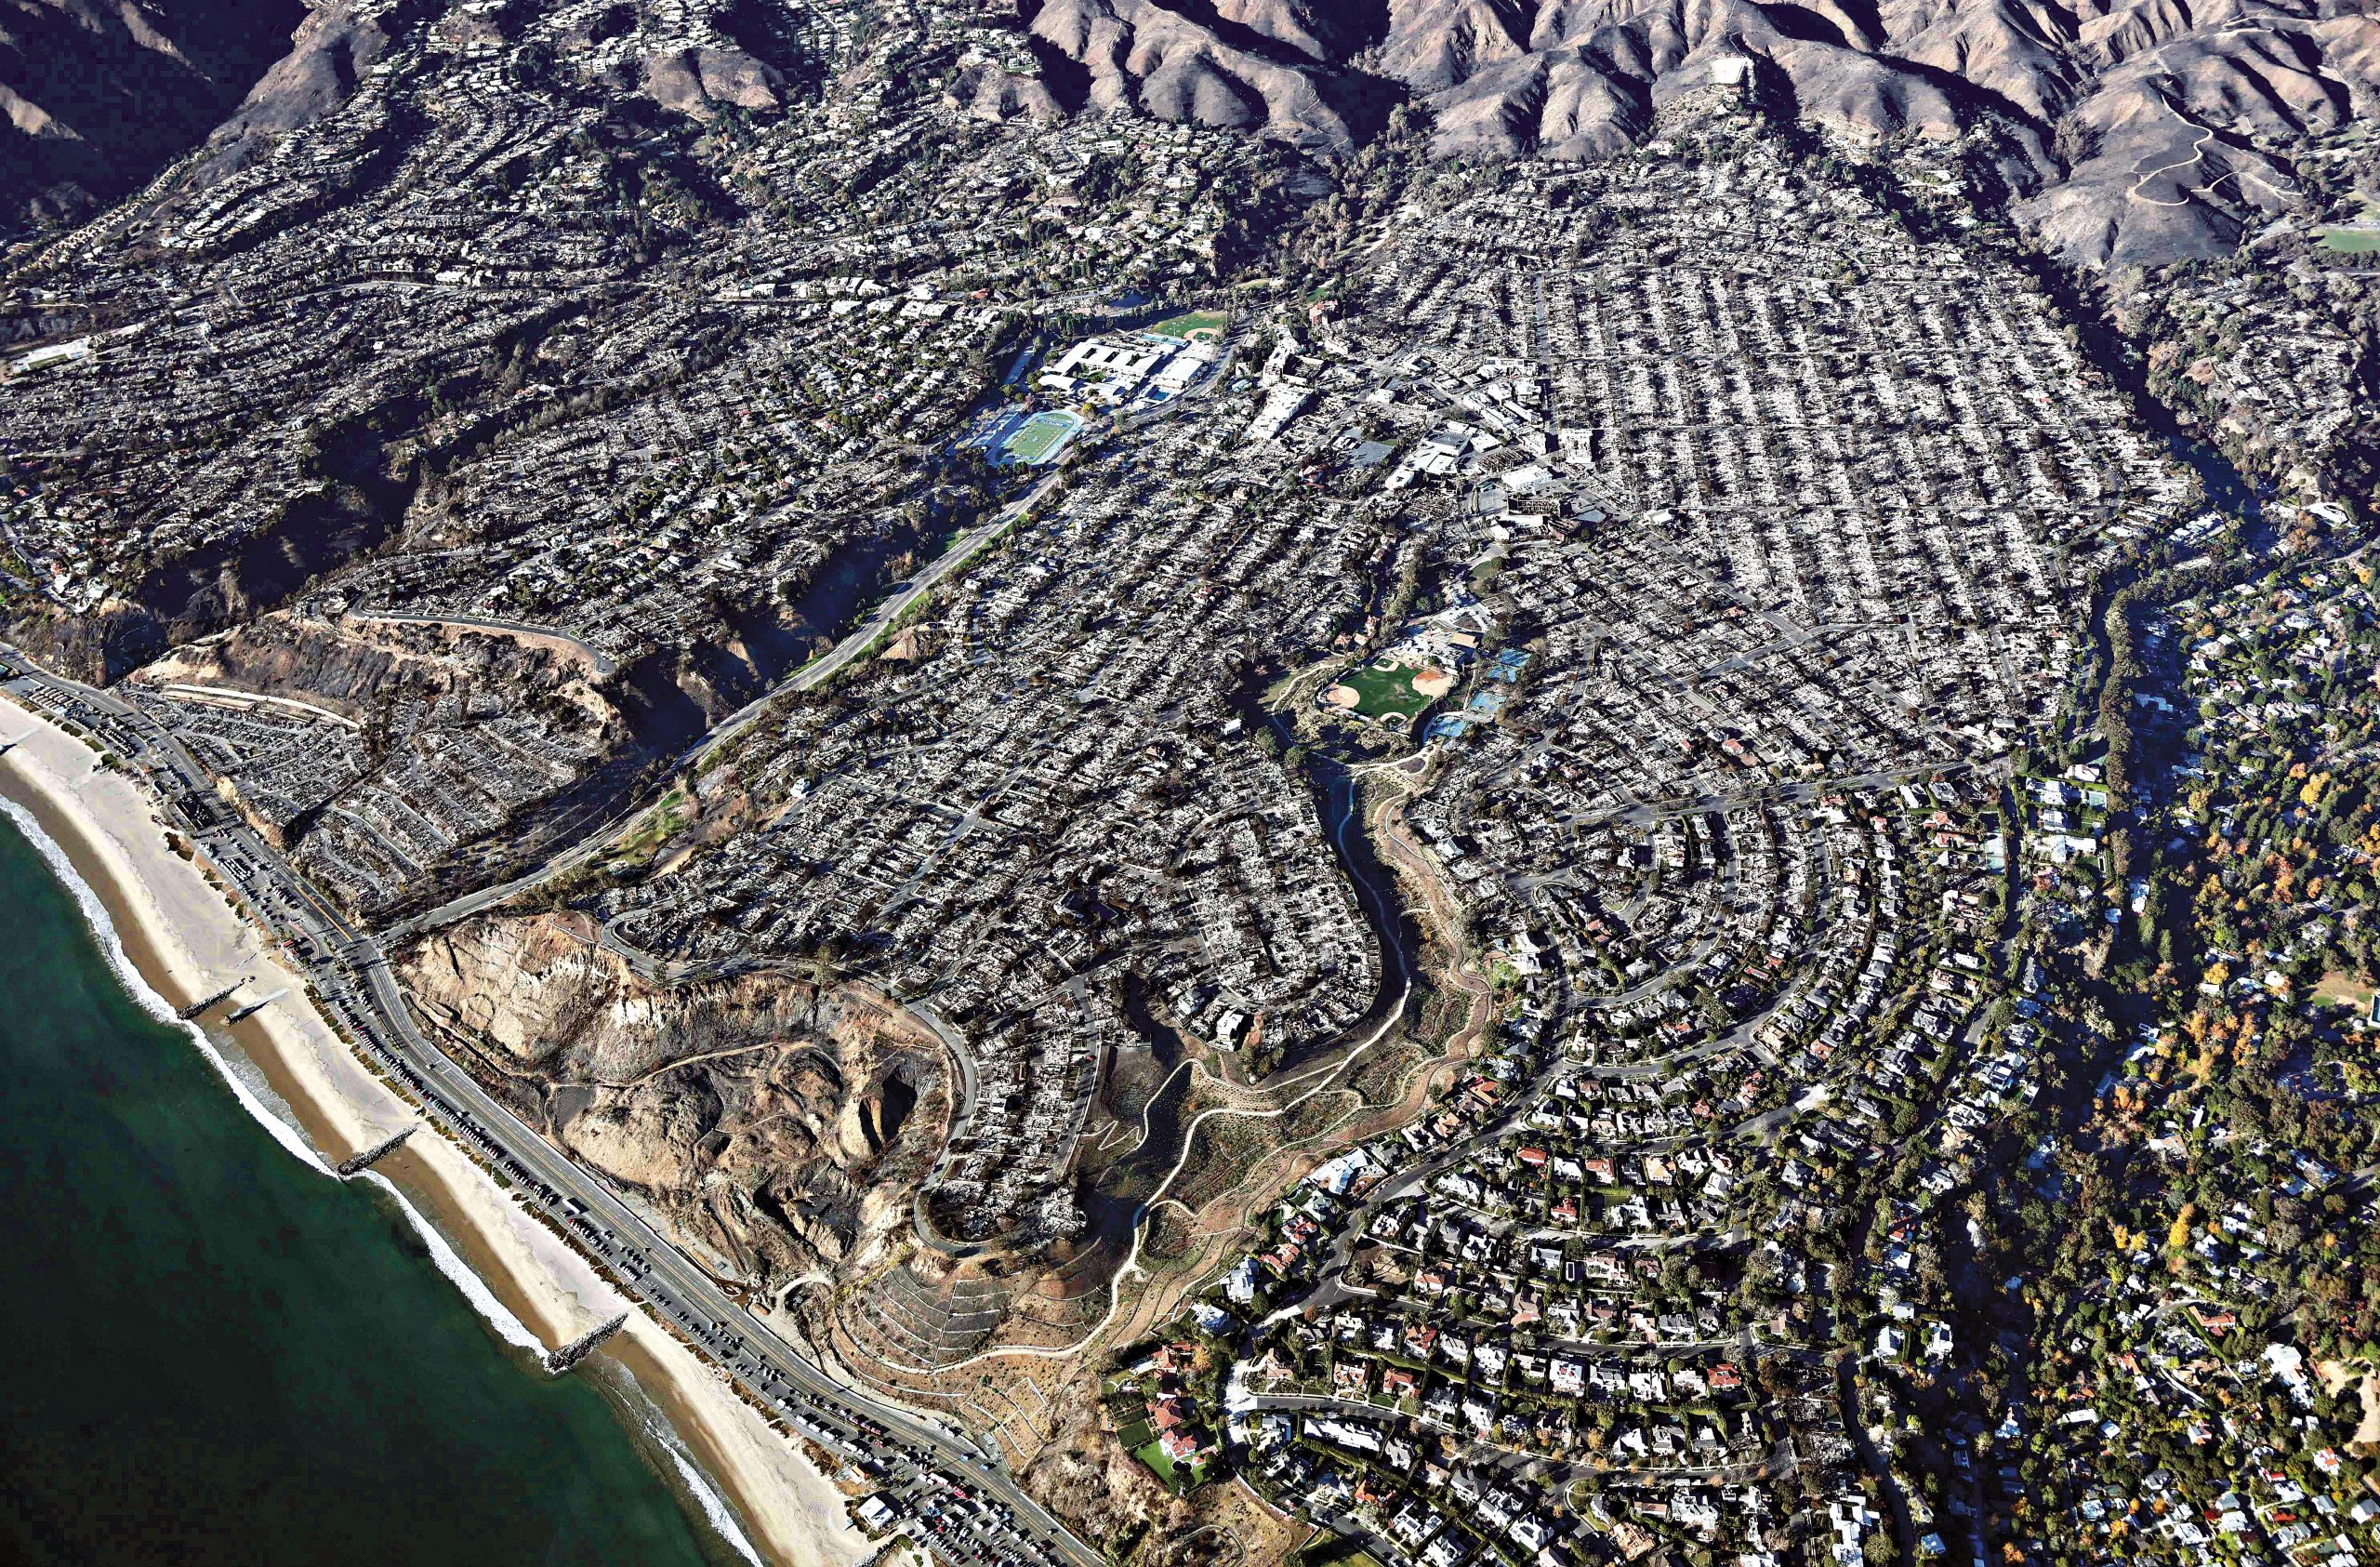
(350,976)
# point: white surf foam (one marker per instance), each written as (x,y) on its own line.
(448,1262)
(715,1508)
(103,930)
(509,1328)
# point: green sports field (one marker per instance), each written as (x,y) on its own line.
(1197,322)
(2352,241)
(1380,691)
(1039,438)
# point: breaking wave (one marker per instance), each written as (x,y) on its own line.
(508,1327)
(443,1255)
(103,930)
(715,1508)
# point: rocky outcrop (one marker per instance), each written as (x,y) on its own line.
(699,83)
(360,667)
(773,1125)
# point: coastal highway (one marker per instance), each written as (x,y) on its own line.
(915,1457)
(963,548)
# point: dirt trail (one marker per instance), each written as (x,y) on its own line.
(1220,1227)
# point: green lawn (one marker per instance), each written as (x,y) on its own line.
(1038,437)
(2352,241)
(1183,326)
(1379,692)
(1136,1435)
(1159,1465)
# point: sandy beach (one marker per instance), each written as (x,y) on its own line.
(188,941)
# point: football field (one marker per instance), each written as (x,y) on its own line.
(1040,438)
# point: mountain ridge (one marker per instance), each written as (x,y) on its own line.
(2133,133)
(2145,133)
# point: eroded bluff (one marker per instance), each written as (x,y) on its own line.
(396,762)
(772,1125)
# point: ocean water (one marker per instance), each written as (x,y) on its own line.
(213,1351)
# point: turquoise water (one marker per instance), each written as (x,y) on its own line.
(211,1352)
